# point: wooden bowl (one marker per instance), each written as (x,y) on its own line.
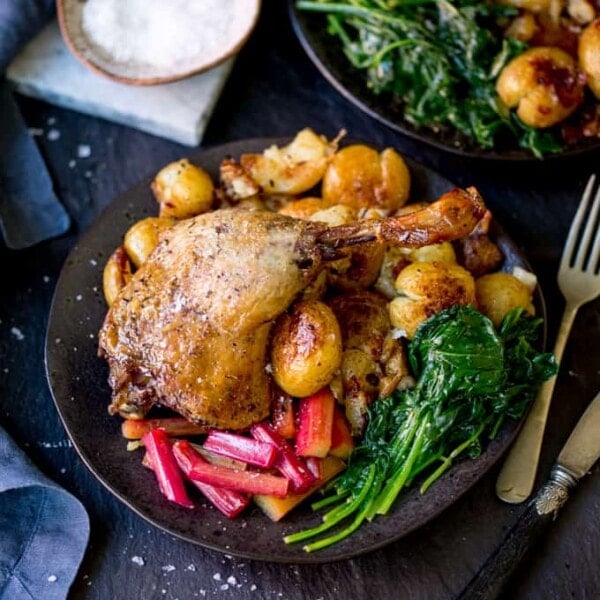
(238,23)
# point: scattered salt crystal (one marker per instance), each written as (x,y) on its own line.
(79,297)
(88,174)
(72,164)
(53,135)
(93,262)
(225,587)
(52,578)
(191,567)
(83,151)
(138,560)
(45,279)
(36,131)
(5,369)
(17,333)
(168,568)
(57,341)
(63,470)
(231,580)
(253,587)
(217,576)
(51,120)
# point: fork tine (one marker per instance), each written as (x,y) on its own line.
(594,260)
(589,230)
(570,244)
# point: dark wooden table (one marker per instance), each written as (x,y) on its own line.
(274,91)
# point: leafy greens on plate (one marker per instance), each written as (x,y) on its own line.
(439,59)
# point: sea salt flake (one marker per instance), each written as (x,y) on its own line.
(168,568)
(217,576)
(72,164)
(79,297)
(45,279)
(83,151)
(138,560)
(53,135)
(231,580)
(36,131)
(93,262)
(52,578)
(253,587)
(225,587)
(191,567)
(17,333)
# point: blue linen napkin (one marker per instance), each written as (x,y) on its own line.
(44,530)
(29,210)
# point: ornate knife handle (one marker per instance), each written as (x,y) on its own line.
(540,512)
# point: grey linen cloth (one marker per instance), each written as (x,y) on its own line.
(30,212)
(43,529)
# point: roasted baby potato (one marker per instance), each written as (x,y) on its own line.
(293,169)
(306,349)
(427,288)
(396,258)
(589,55)
(142,237)
(183,190)
(498,293)
(361,177)
(117,272)
(543,85)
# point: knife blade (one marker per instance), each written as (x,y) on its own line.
(30,212)
(577,457)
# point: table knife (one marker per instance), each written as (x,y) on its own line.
(577,457)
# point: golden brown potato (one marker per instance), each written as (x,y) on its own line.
(589,55)
(306,349)
(292,169)
(581,11)
(522,27)
(361,177)
(498,293)
(543,84)
(427,288)
(116,274)
(142,237)
(396,258)
(370,359)
(304,208)
(183,190)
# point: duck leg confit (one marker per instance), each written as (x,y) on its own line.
(191,329)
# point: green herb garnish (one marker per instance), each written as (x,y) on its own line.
(470,377)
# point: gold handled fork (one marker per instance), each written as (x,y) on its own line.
(579,282)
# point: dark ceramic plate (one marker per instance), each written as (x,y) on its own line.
(78,380)
(327,55)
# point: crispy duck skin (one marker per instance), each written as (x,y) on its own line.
(191,329)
